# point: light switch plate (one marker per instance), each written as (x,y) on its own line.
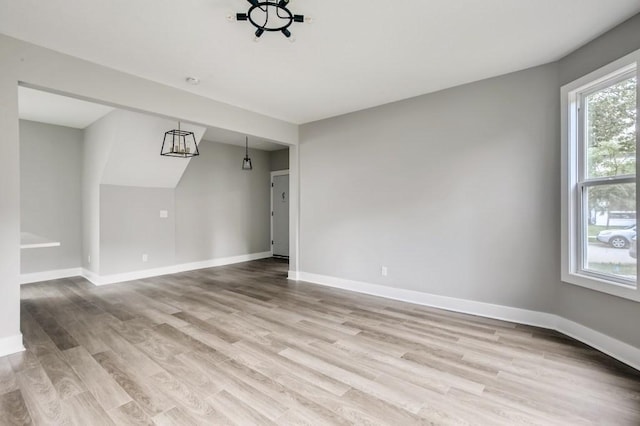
(164,214)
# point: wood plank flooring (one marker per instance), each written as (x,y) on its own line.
(242,345)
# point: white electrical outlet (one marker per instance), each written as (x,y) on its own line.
(164,214)
(89,259)
(145,257)
(383,271)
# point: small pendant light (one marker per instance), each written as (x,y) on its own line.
(246,163)
(179,143)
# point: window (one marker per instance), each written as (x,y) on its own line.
(599,127)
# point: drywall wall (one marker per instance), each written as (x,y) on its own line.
(611,315)
(121,149)
(50,194)
(455,192)
(279,160)
(10,337)
(131,226)
(294,211)
(222,210)
(98,141)
(135,160)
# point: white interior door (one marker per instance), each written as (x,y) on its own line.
(280,215)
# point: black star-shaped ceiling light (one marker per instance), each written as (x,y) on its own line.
(270,16)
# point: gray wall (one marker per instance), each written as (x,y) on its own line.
(50,194)
(98,140)
(279,160)
(217,210)
(9,209)
(222,210)
(130,226)
(455,192)
(611,315)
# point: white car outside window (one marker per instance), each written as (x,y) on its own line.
(617,238)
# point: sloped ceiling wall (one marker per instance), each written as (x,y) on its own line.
(123,149)
(134,157)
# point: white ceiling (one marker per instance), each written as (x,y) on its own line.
(356,54)
(36,105)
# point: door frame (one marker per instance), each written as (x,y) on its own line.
(274,174)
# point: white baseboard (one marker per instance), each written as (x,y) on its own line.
(11,345)
(34,277)
(293,275)
(90,276)
(506,313)
(174,269)
(617,349)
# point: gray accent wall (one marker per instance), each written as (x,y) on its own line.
(610,315)
(279,160)
(455,192)
(221,210)
(50,194)
(131,226)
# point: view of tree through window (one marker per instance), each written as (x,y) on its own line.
(608,185)
(611,130)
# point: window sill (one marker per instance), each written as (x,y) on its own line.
(615,289)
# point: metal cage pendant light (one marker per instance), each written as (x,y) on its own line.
(246,162)
(179,143)
(270,15)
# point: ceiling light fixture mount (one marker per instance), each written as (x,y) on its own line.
(270,15)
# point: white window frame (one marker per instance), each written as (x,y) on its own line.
(572,162)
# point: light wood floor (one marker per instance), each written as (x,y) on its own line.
(242,345)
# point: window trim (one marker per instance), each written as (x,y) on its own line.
(571,204)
